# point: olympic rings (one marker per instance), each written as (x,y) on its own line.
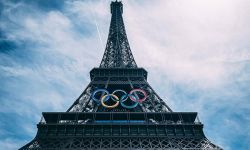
(133,96)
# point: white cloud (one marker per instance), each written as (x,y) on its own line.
(195,52)
(10,144)
(192,40)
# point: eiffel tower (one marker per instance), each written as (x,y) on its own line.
(119,110)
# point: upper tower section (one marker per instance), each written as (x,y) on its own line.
(117,52)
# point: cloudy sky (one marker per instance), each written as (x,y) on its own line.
(197,53)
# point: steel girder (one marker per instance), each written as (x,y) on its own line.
(121,144)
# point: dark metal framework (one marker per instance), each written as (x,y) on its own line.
(151,125)
(117,53)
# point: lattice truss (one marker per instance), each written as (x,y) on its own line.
(153,102)
(117,53)
(122,143)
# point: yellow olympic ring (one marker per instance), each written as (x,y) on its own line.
(112,106)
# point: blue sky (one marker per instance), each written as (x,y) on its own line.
(197,53)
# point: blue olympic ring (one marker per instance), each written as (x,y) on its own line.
(96,91)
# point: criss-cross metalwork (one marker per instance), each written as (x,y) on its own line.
(122,79)
(117,53)
(89,124)
(125,143)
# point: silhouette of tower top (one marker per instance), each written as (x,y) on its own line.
(117,53)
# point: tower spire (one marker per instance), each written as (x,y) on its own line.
(117,53)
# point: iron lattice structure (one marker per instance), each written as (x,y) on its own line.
(115,125)
(117,53)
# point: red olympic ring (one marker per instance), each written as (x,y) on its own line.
(138,90)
